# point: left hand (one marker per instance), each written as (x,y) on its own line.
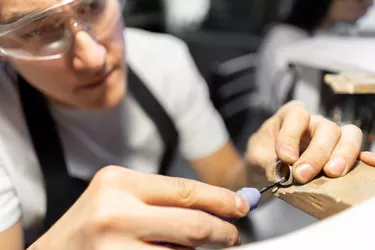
(310,143)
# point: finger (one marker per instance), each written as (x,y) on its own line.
(122,243)
(144,246)
(345,153)
(177,247)
(174,192)
(325,136)
(261,155)
(179,192)
(368,158)
(267,146)
(293,126)
(186,227)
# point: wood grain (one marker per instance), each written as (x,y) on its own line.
(351,84)
(324,197)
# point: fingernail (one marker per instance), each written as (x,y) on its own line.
(305,172)
(290,152)
(242,205)
(338,166)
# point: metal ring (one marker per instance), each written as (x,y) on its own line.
(285,171)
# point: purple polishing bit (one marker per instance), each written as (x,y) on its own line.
(252,195)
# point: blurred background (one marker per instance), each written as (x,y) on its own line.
(228,40)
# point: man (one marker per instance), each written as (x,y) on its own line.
(73,52)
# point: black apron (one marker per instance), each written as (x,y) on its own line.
(63,190)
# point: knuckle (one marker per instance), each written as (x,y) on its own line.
(320,157)
(335,130)
(319,119)
(111,176)
(186,191)
(297,103)
(294,106)
(353,129)
(288,140)
(107,174)
(303,114)
(199,230)
(233,237)
(350,148)
(103,216)
(109,215)
(99,223)
(327,125)
(322,153)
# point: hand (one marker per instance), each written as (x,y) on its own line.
(124,209)
(308,142)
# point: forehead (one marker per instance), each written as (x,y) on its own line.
(11,10)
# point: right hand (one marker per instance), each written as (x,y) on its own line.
(124,209)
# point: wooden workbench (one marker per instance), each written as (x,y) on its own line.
(324,197)
(351,83)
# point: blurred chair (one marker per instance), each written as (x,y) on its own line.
(232,84)
(144,14)
(232,87)
(182,16)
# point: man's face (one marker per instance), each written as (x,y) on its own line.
(349,10)
(91,75)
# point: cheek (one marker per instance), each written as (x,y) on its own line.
(343,15)
(115,39)
(50,77)
(351,12)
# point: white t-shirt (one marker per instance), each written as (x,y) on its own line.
(272,68)
(123,136)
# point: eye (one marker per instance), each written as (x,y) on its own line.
(31,34)
(95,4)
(45,29)
(89,6)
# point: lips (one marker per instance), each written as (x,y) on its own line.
(98,82)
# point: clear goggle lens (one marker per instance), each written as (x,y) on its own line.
(49,34)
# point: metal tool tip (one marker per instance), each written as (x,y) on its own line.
(272,185)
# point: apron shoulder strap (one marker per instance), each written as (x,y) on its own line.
(48,149)
(159,116)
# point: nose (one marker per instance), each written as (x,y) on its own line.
(88,54)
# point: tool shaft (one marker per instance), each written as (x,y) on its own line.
(271,186)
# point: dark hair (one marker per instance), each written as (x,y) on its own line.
(308,14)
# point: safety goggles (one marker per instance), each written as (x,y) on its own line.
(49,33)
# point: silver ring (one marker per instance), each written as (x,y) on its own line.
(283,171)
